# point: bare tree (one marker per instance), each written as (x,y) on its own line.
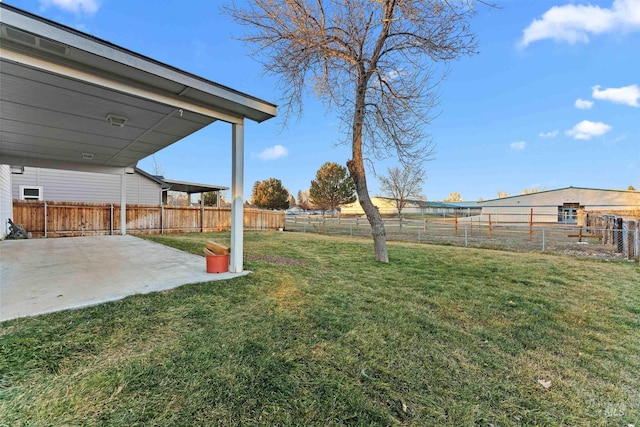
(156,168)
(533,190)
(373,62)
(402,185)
(453,197)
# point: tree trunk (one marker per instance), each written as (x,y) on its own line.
(356,169)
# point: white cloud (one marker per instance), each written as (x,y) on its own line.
(273,153)
(627,95)
(583,104)
(574,23)
(551,134)
(587,130)
(88,7)
(518,145)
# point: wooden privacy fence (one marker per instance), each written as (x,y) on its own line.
(57,219)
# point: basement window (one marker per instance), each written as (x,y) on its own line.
(30,193)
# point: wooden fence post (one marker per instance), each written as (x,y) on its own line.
(456,223)
(45,220)
(489,225)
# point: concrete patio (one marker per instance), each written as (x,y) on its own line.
(45,275)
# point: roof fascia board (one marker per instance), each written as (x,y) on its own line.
(44,28)
(92,78)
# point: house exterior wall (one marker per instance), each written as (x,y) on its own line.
(6,201)
(75,186)
(141,190)
(546,204)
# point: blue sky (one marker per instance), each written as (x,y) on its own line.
(552,99)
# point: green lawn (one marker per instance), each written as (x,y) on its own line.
(320,334)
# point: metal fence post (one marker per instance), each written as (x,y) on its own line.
(418,234)
(45,219)
(543,240)
(466,237)
(111,220)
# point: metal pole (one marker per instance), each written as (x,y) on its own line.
(466,237)
(637,244)
(45,219)
(161,219)
(543,240)
(111,220)
(418,234)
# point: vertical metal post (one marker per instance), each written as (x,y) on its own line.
(45,219)
(237,203)
(466,237)
(418,234)
(123,203)
(489,225)
(637,243)
(543,240)
(351,230)
(111,220)
(161,219)
(530,224)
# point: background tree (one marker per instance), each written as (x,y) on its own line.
(210,198)
(270,194)
(453,197)
(631,188)
(502,194)
(402,185)
(303,200)
(176,198)
(332,187)
(372,62)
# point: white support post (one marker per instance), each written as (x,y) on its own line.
(123,203)
(237,202)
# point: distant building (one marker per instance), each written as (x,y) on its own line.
(561,206)
(387,206)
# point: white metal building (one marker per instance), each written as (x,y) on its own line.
(559,206)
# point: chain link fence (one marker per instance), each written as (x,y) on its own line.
(612,238)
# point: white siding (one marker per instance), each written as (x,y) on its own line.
(6,202)
(141,190)
(73,186)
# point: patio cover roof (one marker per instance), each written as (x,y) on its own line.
(59,87)
(69,100)
(192,187)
